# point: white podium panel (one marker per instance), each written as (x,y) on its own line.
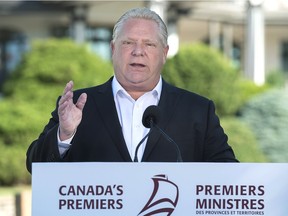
(146,189)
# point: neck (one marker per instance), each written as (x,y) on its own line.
(136,91)
(136,94)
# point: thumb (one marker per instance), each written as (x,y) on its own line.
(81,101)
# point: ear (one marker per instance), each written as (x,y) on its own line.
(165,50)
(112,47)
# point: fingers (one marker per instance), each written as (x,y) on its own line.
(68,87)
(70,114)
(67,93)
(81,101)
(66,100)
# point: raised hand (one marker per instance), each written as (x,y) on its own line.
(70,114)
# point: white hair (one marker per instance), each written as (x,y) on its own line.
(141,13)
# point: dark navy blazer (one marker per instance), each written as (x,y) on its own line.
(189,119)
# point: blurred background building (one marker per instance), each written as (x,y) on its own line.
(253,33)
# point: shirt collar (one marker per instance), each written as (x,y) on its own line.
(116,88)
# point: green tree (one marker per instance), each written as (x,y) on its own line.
(30,95)
(267,116)
(201,69)
(243,141)
(204,70)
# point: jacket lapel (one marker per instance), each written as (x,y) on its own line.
(106,106)
(167,103)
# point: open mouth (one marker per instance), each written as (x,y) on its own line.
(137,65)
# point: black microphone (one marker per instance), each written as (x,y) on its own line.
(153,116)
(150,119)
(150,116)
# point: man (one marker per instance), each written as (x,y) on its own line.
(104,123)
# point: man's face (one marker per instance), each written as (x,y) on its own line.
(138,55)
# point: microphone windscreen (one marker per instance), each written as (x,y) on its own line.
(151,113)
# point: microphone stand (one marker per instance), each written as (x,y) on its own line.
(152,126)
(179,157)
(139,144)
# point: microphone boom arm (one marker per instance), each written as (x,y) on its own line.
(179,157)
(139,144)
(150,118)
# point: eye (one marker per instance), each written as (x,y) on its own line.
(149,44)
(127,42)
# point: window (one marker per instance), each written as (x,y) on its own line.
(99,41)
(284,56)
(98,38)
(12,46)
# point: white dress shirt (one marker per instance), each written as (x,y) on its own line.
(130,114)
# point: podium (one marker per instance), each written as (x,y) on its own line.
(146,189)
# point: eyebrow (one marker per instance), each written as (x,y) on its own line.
(144,40)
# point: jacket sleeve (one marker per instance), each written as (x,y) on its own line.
(45,148)
(216,147)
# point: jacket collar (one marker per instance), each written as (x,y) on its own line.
(107,108)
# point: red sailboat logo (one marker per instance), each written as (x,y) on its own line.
(163,199)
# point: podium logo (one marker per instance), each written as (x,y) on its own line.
(163,199)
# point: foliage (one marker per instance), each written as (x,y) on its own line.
(276,78)
(242,140)
(206,71)
(51,64)
(267,115)
(31,92)
(12,166)
(203,70)
(248,89)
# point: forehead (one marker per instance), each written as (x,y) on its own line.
(140,27)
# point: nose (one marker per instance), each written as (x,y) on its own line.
(138,50)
